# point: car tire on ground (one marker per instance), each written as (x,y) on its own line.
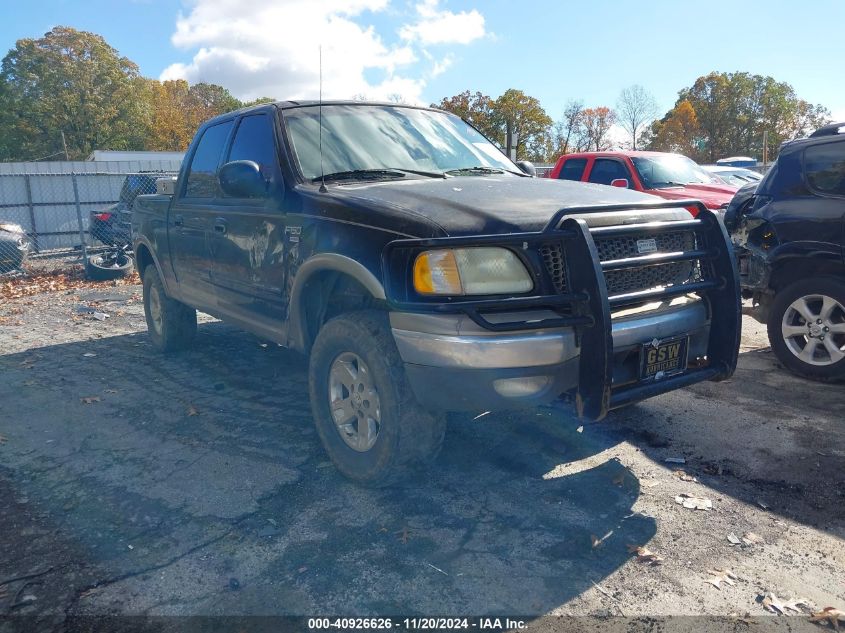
(368,419)
(98,269)
(807,328)
(171,324)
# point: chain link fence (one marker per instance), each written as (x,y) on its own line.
(49,222)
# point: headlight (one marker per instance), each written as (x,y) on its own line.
(470,271)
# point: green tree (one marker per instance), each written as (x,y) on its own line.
(527,119)
(69,82)
(677,132)
(733,110)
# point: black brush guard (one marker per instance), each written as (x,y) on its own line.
(586,306)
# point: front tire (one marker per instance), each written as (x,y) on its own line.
(806,328)
(368,419)
(171,324)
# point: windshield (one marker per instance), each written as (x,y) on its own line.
(366,137)
(670,170)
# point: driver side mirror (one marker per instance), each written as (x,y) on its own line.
(619,182)
(527,167)
(242,179)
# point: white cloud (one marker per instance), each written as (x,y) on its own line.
(440,26)
(272,48)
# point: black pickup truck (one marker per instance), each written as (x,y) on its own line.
(423,272)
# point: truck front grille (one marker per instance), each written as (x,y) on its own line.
(632,279)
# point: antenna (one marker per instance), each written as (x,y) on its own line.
(320,106)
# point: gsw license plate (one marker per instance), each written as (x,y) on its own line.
(664,359)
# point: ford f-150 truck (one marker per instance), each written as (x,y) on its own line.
(422,271)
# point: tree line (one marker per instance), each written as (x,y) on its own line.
(69,93)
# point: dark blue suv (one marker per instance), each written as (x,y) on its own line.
(789,232)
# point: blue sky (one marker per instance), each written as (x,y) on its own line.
(428,49)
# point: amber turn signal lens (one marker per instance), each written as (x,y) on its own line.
(436,273)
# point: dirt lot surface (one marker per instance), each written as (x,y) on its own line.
(135,483)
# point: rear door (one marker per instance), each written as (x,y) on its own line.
(248,234)
(824,171)
(192,214)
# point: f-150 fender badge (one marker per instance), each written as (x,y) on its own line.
(293,233)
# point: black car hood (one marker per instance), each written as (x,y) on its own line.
(474,205)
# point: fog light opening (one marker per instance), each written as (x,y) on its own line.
(521,387)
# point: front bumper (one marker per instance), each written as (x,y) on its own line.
(454,364)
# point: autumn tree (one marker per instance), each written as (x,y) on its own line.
(567,134)
(476,108)
(635,108)
(69,82)
(733,111)
(677,132)
(597,123)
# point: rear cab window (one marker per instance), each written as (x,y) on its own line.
(573,169)
(202,174)
(824,168)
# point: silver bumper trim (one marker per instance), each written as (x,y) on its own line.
(432,343)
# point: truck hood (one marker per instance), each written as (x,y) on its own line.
(713,196)
(474,205)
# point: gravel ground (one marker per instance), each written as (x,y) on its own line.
(194,484)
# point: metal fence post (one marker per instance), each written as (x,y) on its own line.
(33,229)
(79,217)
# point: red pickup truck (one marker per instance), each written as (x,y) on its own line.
(669,176)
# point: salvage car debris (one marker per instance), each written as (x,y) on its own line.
(693,502)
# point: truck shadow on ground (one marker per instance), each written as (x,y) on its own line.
(196,484)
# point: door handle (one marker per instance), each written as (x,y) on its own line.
(178,220)
(220,226)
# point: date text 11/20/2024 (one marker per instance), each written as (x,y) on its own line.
(416,624)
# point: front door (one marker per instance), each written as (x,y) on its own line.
(191,218)
(248,234)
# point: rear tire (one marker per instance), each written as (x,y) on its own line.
(96,270)
(368,419)
(806,328)
(171,324)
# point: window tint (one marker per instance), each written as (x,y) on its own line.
(254,141)
(606,170)
(825,168)
(202,177)
(573,169)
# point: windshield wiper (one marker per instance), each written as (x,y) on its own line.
(374,174)
(667,183)
(478,169)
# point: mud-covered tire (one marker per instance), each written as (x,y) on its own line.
(171,324)
(407,435)
(95,269)
(784,315)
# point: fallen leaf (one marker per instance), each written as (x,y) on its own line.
(90,399)
(644,555)
(750,538)
(595,540)
(404,535)
(830,615)
(693,503)
(719,576)
(111,391)
(774,604)
(302,570)
(192,411)
(580,429)
(683,476)
(733,538)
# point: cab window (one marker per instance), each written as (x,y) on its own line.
(573,169)
(606,170)
(202,175)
